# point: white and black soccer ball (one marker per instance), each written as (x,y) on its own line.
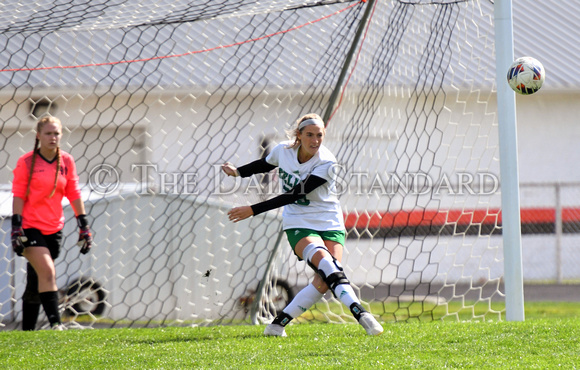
(526,75)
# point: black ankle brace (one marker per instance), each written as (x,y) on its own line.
(282,319)
(357,310)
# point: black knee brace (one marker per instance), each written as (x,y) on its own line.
(336,278)
(332,280)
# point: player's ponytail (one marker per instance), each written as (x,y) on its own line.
(32,164)
(57,171)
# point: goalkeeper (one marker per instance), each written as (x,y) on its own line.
(42,178)
(312,219)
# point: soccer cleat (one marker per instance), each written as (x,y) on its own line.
(275,330)
(57,327)
(371,325)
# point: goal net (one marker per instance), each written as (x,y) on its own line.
(154,95)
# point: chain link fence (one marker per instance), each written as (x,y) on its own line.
(551,232)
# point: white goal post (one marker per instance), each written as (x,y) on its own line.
(509,169)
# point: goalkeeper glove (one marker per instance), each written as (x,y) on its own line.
(18,238)
(85,237)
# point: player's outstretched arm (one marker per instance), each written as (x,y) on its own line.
(230,170)
(257,166)
(240,213)
(291,196)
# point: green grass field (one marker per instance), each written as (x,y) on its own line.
(548,339)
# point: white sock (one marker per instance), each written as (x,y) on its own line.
(305,299)
(346,294)
(343,292)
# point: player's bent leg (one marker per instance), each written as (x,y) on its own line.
(319,284)
(305,299)
(335,249)
(302,302)
(332,273)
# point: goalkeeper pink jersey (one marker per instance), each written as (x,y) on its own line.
(41,211)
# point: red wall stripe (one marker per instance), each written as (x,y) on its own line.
(378,220)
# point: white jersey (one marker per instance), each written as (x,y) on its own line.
(320,209)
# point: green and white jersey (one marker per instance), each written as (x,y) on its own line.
(318,210)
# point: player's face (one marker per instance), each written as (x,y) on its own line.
(311,138)
(49,136)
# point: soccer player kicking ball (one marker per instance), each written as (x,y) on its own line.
(312,219)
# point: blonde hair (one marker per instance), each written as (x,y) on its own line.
(39,126)
(294,131)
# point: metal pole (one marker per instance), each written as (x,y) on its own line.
(508,152)
(559,232)
(345,67)
(255,309)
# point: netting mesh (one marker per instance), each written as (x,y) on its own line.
(155,95)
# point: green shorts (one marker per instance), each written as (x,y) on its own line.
(294,235)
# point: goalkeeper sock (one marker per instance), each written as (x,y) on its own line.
(305,299)
(29,315)
(50,304)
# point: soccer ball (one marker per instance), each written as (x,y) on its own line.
(526,75)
